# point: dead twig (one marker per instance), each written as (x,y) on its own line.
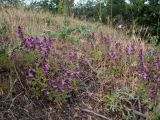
(97,114)
(137,112)
(18,77)
(92,68)
(14,100)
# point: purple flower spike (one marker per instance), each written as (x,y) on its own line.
(31,72)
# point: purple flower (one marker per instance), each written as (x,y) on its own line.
(158,79)
(116,58)
(141,55)
(29,43)
(62,82)
(46,69)
(13,55)
(104,40)
(128,50)
(50,82)
(31,72)
(133,48)
(20,31)
(153,92)
(57,89)
(45,56)
(45,91)
(72,55)
(158,59)
(77,73)
(69,74)
(113,56)
(154,66)
(69,88)
(144,66)
(118,44)
(94,34)
(144,75)
(38,62)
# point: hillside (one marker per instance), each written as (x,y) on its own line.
(57,68)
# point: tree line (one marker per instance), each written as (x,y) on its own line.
(144,13)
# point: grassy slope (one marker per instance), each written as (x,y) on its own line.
(95,87)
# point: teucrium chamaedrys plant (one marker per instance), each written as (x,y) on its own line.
(39,79)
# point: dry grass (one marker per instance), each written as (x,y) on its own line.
(36,22)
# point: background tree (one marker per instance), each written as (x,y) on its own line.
(11,3)
(115,8)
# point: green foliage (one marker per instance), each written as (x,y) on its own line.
(61,7)
(155,117)
(45,4)
(49,33)
(82,29)
(4,27)
(5,61)
(11,3)
(142,92)
(67,32)
(98,53)
(74,84)
(113,101)
(154,40)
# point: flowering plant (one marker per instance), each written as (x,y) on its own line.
(40,80)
